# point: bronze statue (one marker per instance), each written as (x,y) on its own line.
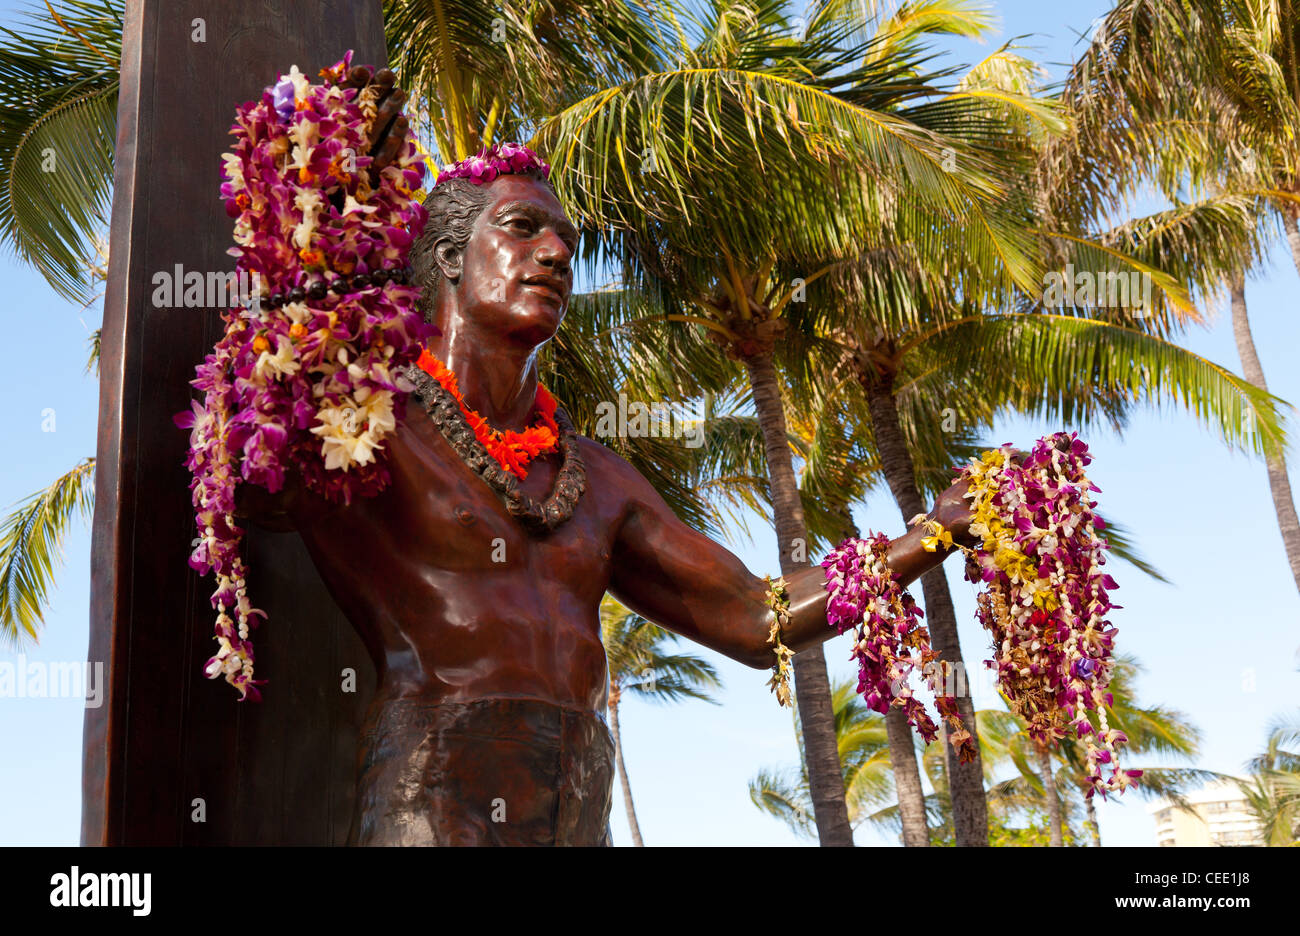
(488,725)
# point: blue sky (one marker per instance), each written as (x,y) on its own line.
(1221,644)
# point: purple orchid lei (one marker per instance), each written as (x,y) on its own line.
(492,161)
(1045,602)
(890,642)
(1046,597)
(305,377)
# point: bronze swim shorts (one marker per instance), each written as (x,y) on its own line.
(488,772)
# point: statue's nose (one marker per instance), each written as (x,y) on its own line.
(554,253)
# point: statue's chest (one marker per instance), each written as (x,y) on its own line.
(461,524)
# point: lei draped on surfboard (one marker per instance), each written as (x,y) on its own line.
(303,376)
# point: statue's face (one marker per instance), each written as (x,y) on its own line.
(517,269)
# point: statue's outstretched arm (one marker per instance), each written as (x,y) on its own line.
(687,583)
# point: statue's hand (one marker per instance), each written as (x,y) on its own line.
(388,132)
(953,509)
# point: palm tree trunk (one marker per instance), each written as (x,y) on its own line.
(907,779)
(811,682)
(1090,806)
(943,775)
(902,754)
(1278,482)
(966,781)
(1049,794)
(1292,236)
(622,774)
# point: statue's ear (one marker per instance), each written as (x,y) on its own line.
(449,258)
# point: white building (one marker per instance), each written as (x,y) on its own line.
(1219,817)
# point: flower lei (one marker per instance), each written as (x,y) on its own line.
(778,599)
(890,641)
(305,377)
(492,161)
(1045,602)
(512,450)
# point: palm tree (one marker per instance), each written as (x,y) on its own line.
(886,299)
(863,746)
(1227,125)
(640,665)
(1273,791)
(838,469)
(906,344)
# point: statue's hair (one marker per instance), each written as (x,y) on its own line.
(453,206)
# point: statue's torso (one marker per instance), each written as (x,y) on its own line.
(455,600)
(488,726)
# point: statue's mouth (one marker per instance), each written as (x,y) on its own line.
(547,286)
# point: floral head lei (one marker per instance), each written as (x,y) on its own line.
(496,160)
(306,376)
(1045,602)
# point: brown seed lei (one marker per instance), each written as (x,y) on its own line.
(536,517)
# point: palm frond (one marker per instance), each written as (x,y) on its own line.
(31,542)
(1039,359)
(781,796)
(58,126)
(1122,544)
(639,663)
(481,70)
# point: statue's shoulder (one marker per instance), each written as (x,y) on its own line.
(611,473)
(604,460)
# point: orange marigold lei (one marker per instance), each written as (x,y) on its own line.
(512,450)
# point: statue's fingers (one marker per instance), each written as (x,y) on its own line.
(358,76)
(386,111)
(384,84)
(392,145)
(388,154)
(389,107)
(394,128)
(379,135)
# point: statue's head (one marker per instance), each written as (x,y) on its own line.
(497,250)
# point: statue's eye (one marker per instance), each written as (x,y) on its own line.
(520,224)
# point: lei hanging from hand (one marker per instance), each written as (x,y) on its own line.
(303,378)
(1045,600)
(890,642)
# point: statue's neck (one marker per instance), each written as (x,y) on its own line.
(497,379)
